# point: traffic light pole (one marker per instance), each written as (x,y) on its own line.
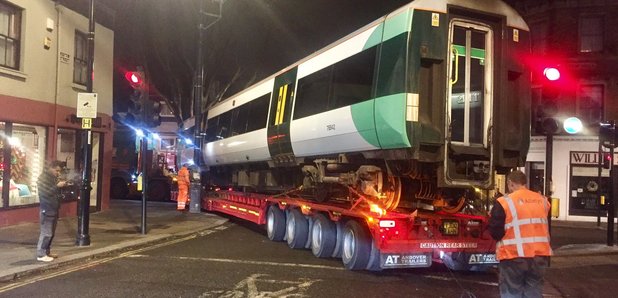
(195,191)
(549,148)
(83,222)
(609,202)
(143,151)
(599,194)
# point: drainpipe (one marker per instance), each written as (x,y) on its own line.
(54,135)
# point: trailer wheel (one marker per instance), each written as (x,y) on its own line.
(275,223)
(356,246)
(323,236)
(297,229)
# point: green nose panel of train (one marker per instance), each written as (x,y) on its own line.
(382,121)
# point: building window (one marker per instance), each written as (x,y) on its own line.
(590,103)
(10,30)
(22,161)
(538,32)
(80,64)
(590,34)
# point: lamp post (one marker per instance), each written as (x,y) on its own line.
(83,237)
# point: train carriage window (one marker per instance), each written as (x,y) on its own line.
(477,86)
(239,119)
(258,113)
(211,129)
(470,84)
(352,79)
(223,127)
(313,93)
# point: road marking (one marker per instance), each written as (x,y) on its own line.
(249,288)
(236,261)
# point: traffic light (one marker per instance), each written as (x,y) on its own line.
(550,91)
(138,98)
(607,160)
(152,111)
(135,78)
(607,134)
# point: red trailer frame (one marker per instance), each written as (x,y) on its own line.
(397,239)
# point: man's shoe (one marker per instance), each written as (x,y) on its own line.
(45,259)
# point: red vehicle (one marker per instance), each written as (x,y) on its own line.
(364,235)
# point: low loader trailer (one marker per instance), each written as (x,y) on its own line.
(364,235)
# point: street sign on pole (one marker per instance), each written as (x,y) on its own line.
(86,105)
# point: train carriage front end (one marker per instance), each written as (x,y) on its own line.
(452,99)
(467,113)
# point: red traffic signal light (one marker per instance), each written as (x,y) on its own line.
(551,73)
(607,160)
(135,78)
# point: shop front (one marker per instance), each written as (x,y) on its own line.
(579,179)
(27,143)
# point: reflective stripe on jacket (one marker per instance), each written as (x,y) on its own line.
(526,230)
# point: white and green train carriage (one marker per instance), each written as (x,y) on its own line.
(412,109)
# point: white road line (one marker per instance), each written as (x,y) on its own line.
(236,261)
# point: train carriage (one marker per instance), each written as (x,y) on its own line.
(416,111)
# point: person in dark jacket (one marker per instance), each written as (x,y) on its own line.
(49,197)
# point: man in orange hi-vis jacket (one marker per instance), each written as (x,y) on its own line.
(183,187)
(519,223)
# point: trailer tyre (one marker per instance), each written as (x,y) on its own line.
(275,223)
(356,246)
(297,229)
(323,236)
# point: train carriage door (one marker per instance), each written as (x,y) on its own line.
(468,158)
(279,142)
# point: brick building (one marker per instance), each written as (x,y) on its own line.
(42,69)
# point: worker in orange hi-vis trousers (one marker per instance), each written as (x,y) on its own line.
(183,187)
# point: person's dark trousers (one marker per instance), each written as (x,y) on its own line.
(522,277)
(48,229)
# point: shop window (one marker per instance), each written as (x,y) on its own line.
(167,144)
(23,160)
(80,62)
(10,35)
(67,152)
(590,34)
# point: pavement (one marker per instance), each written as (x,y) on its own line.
(112,230)
(119,228)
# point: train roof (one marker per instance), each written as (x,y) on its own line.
(513,19)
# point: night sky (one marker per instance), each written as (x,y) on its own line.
(252,40)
